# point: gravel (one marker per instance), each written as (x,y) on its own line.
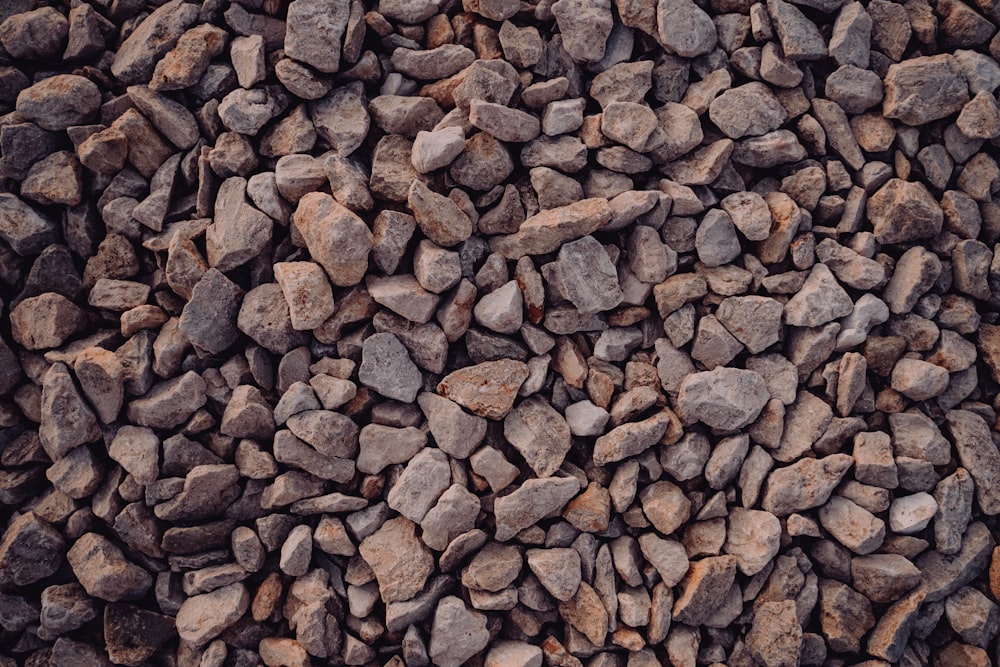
(500,332)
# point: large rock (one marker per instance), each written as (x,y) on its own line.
(204,617)
(723,398)
(336,238)
(26,230)
(530,502)
(919,90)
(457,633)
(67,420)
(546,231)
(902,211)
(400,561)
(60,101)
(539,433)
(104,572)
(314,32)
(979,455)
(139,54)
(31,550)
(487,389)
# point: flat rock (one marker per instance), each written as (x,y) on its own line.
(548,230)
(60,101)
(204,617)
(400,561)
(487,389)
(630,439)
(534,499)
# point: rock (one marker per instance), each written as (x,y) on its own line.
(920,90)
(502,309)
(157,34)
(59,101)
(509,653)
(169,403)
(753,537)
(417,490)
(208,490)
(918,379)
(585,26)
(586,613)
(884,577)
(456,432)
(724,398)
(457,633)
(66,420)
(539,433)
(437,149)
(805,484)
(800,39)
(102,569)
(754,321)
(631,439)
(665,505)
(22,227)
(684,28)
(820,300)
(209,318)
(716,240)
(704,588)
(534,499)
(314,32)
(202,618)
(487,389)
(903,212)
(550,229)
(239,232)
(439,217)
(747,110)
(853,526)
(845,616)
(45,321)
(30,550)
(64,609)
(775,638)
(588,277)
(502,122)
(387,368)
(307,292)
(750,213)
(336,238)
(341,117)
(978,455)
(132,635)
(400,561)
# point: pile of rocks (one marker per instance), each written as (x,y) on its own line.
(422,332)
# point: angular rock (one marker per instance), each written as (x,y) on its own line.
(724,398)
(487,389)
(400,561)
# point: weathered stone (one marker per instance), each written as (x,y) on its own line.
(534,499)
(336,238)
(457,633)
(919,90)
(31,550)
(59,101)
(202,618)
(487,389)
(104,572)
(804,484)
(387,368)
(902,211)
(400,561)
(314,32)
(724,398)
(539,433)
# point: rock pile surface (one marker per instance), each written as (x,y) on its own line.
(508,332)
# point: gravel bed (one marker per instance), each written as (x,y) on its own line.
(398,333)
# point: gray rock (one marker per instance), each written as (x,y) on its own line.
(66,420)
(26,230)
(585,26)
(855,89)
(137,450)
(454,514)
(455,431)
(239,231)
(747,110)
(534,499)
(587,276)
(954,496)
(209,318)
(207,491)
(171,118)
(820,300)
(437,149)
(264,316)
(667,556)
(418,488)
(539,433)
(716,240)
(502,309)
(665,505)
(314,32)
(439,217)
(919,90)
(64,609)
(104,572)
(330,433)
(750,213)
(502,122)
(457,633)
(845,616)
(342,118)
(978,455)
(387,368)
(382,446)
(724,398)
(884,577)
(307,292)
(684,28)
(800,38)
